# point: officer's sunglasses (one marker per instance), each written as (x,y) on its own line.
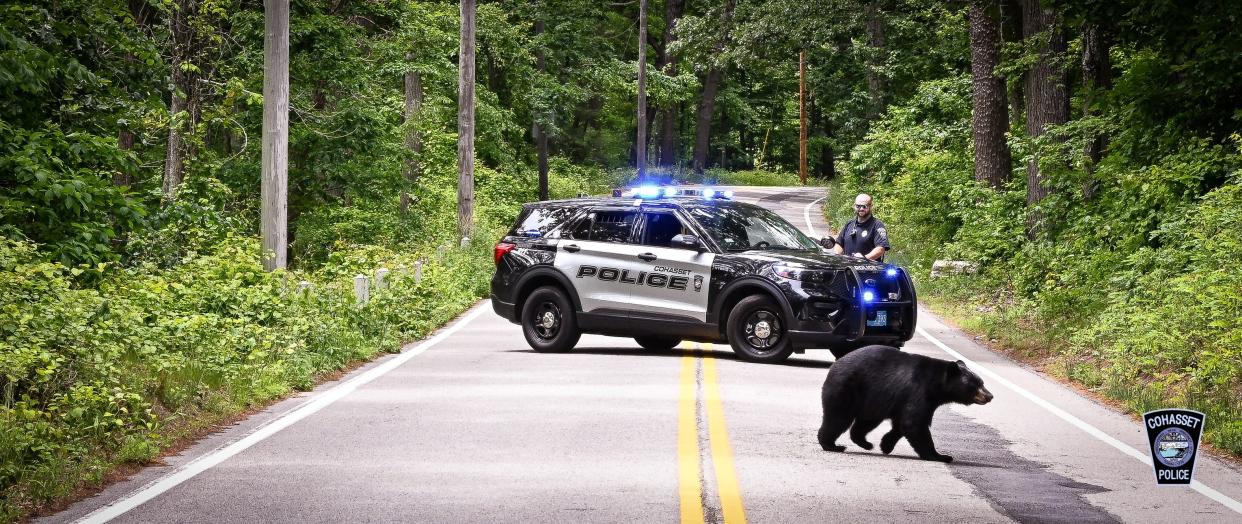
(862,206)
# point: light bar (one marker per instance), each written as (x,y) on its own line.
(649,192)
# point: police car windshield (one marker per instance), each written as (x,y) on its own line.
(738,227)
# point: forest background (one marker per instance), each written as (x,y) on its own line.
(1085,154)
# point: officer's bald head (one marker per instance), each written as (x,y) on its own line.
(862,206)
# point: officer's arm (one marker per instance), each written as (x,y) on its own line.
(881,243)
(836,248)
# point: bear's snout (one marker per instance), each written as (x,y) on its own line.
(983,396)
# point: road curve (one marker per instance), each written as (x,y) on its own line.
(472,426)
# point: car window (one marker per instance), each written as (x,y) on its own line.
(739,227)
(660,229)
(582,229)
(537,221)
(612,226)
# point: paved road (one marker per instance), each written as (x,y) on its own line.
(472,426)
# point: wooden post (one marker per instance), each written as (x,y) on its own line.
(465,122)
(275,156)
(418,272)
(641,147)
(802,116)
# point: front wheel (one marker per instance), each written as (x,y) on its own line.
(758,332)
(548,321)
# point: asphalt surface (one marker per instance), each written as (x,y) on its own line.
(473,426)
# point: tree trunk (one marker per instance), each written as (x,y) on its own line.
(988,119)
(1096,76)
(1047,98)
(826,168)
(1011,32)
(640,157)
(802,116)
(667,63)
(180,33)
(124,141)
(875,48)
(541,137)
(707,102)
(275,188)
(465,123)
(413,139)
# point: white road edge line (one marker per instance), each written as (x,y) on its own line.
(806,214)
(320,401)
(1077,422)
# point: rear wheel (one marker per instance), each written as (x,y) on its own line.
(758,332)
(548,321)
(657,343)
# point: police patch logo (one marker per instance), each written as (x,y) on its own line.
(1174,438)
(698,282)
(1174,447)
(864,233)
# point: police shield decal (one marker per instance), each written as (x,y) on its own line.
(1174,438)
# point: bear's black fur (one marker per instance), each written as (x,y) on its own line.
(875,383)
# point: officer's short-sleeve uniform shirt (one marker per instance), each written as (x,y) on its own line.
(863,237)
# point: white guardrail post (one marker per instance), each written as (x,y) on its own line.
(381,278)
(362,293)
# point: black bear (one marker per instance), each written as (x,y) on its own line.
(875,383)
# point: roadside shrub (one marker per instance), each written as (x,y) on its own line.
(90,377)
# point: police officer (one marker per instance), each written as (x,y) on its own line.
(864,235)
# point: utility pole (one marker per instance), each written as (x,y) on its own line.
(642,91)
(275,157)
(465,123)
(802,116)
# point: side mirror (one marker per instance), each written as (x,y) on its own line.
(687,242)
(828,242)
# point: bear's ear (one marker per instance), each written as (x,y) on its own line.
(962,365)
(952,372)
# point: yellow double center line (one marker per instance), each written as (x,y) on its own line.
(689,456)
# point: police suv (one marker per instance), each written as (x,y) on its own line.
(663,265)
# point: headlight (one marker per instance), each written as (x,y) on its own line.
(804,275)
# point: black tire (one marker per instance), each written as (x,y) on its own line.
(657,343)
(754,316)
(549,322)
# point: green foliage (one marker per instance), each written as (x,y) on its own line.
(753,178)
(59,192)
(94,376)
(1133,290)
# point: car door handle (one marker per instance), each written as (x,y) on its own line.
(647,256)
(573,248)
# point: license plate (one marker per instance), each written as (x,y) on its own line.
(881,319)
